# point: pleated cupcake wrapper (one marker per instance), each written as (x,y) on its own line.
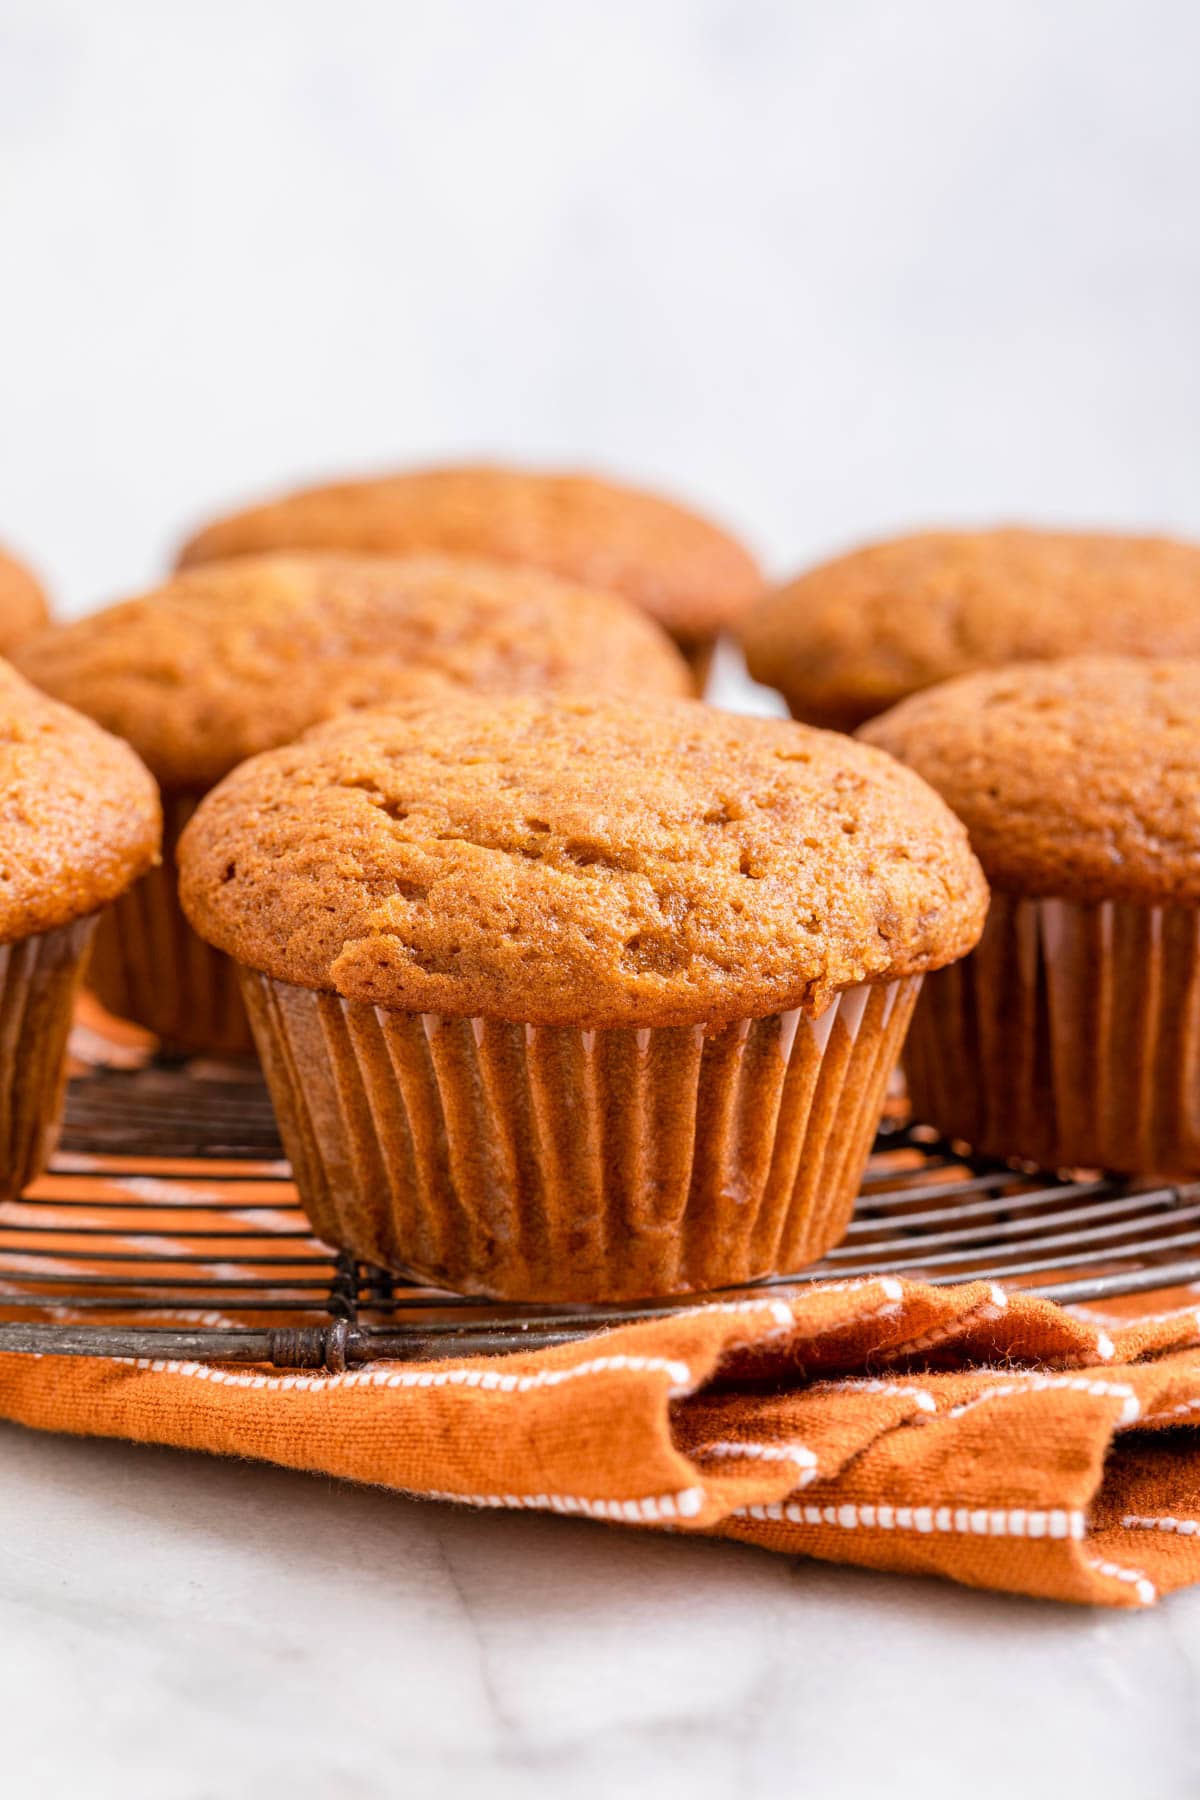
(1071,1037)
(39,977)
(148,964)
(539,1162)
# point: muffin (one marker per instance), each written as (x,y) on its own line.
(23,608)
(857,635)
(579,999)
(79,823)
(685,572)
(1071,1037)
(230,659)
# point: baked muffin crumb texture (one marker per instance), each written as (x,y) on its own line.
(1077,779)
(854,636)
(23,608)
(579,862)
(79,815)
(679,567)
(229,659)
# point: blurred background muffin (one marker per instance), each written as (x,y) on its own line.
(229,659)
(687,573)
(562,998)
(850,638)
(1071,1036)
(79,823)
(23,608)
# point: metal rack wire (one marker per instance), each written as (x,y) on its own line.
(168,1226)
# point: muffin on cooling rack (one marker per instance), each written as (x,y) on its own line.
(579,999)
(230,659)
(688,574)
(855,636)
(1072,1035)
(23,608)
(79,823)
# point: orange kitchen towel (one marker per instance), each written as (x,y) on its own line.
(997,1439)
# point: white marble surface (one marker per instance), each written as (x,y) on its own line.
(173,1627)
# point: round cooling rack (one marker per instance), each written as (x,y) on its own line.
(168,1226)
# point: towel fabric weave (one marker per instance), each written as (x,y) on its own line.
(1000,1440)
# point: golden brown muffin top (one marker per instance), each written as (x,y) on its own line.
(79,815)
(687,573)
(580,862)
(23,608)
(233,658)
(851,638)
(1077,779)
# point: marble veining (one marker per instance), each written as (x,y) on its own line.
(178,1627)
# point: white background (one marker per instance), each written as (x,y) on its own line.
(830,268)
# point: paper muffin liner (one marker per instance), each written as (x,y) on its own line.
(39,977)
(1070,1037)
(546,1163)
(148,964)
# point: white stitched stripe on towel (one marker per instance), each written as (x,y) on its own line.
(1146,1591)
(683,1505)
(1016,1521)
(489,1380)
(1160,1522)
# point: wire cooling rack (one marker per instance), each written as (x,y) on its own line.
(168,1226)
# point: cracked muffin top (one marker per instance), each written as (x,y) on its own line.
(1077,780)
(687,573)
(23,608)
(234,658)
(849,639)
(579,862)
(79,815)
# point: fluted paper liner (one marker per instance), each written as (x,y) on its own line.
(1070,1037)
(39,977)
(148,964)
(540,1162)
